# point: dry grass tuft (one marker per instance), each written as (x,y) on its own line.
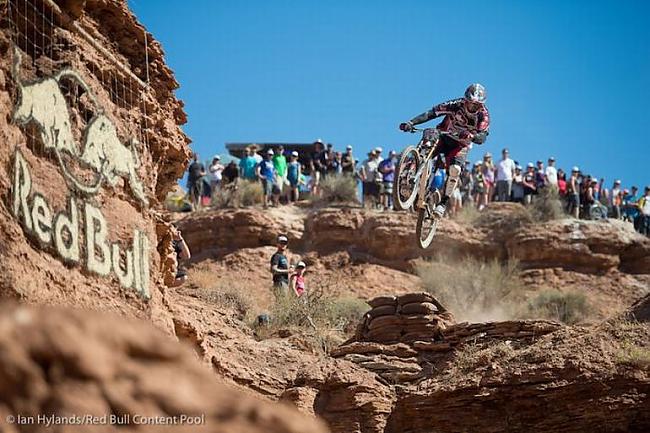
(471,356)
(565,307)
(472,289)
(547,206)
(244,193)
(337,189)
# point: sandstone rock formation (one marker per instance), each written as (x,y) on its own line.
(65,362)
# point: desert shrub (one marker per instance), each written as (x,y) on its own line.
(323,321)
(472,289)
(244,193)
(337,189)
(566,307)
(472,356)
(547,206)
(176,201)
(468,214)
(634,356)
(230,295)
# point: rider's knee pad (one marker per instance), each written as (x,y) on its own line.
(452,180)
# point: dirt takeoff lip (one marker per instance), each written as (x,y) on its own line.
(61,233)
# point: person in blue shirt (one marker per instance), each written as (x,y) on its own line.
(248,164)
(266,173)
(293,176)
(387,170)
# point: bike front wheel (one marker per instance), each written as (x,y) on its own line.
(405,187)
(426,227)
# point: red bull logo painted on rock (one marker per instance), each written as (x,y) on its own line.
(79,233)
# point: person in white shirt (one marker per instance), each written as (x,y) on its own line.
(216,170)
(505,172)
(551,173)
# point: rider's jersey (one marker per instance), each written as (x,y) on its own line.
(458,120)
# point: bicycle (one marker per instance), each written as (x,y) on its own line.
(412,187)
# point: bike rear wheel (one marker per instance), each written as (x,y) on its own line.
(405,187)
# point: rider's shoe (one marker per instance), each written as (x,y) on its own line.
(439,211)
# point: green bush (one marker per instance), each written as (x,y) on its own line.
(566,307)
(337,189)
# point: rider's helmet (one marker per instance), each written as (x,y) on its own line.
(476,93)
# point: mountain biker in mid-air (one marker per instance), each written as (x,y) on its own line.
(468,120)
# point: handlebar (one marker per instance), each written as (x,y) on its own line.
(414,130)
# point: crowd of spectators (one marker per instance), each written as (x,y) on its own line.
(289,176)
(583,195)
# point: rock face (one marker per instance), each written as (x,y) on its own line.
(64,362)
(81,231)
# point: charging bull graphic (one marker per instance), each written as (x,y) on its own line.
(43,103)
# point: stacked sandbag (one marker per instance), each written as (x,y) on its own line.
(405,318)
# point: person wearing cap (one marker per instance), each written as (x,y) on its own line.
(540,175)
(280,268)
(294,171)
(505,173)
(551,173)
(644,212)
(297,280)
(370,179)
(347,162)
(266,173)
(615,200)
(248,165)
(387,170)
(280,165)
(216,173)
(378,151)
(530,184)
(182,252)
(573,193)
(317,166)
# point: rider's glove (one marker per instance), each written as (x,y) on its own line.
(406,127)
(466,135)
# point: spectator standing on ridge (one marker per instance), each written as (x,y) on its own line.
(280,268)
(615,200)
(266,173)
(347,162)
(505,172)
(466,183)
(317,166)
(551,173)
(630,209)
(479,185)
(530,184)
(297,280)
(378,151)
(195,173)
(370,178)
(518,186)
(248,164)
(387,170)
(280,165)
(644,212)
(561,183)
(540,176)
(573,193)
(230,173)
(488,178)
(336,164)
(294,172)
(182,252)
(216,173)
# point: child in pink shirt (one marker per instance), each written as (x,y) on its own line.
(297,280)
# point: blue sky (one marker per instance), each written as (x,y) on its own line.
(564,78)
